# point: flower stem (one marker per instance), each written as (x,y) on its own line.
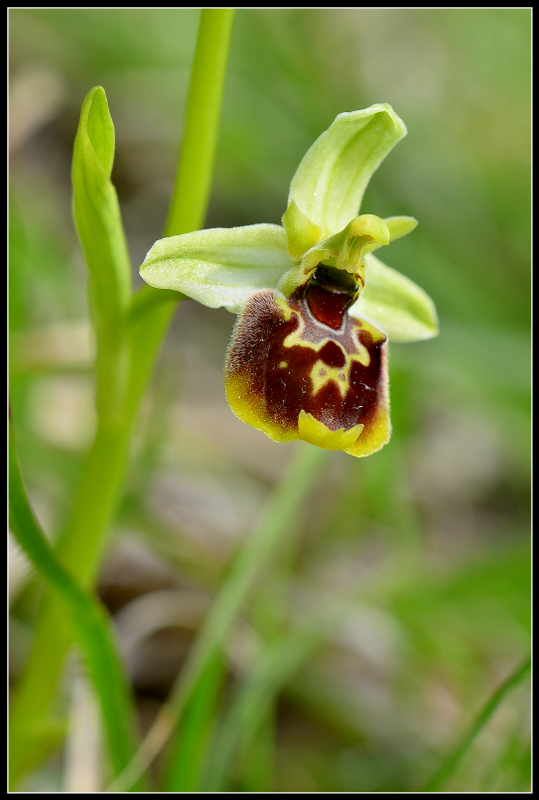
(195,165)
(34,730)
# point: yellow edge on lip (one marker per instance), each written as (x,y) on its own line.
(315,432)
(377,435)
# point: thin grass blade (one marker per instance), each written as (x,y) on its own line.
(450,764)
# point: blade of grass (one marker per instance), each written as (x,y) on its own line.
(80,544)
(198,721)
(258,757)
(89,620)
(451,762)
(253,704)
(247,727)
(273,590)
(246,568)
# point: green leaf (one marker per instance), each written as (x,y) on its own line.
(88,618)
(95,206)
(395,304)
(219,266)
(100,230)
(330,182)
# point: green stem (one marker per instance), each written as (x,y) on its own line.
(195,168)
(81,543)
(450,764)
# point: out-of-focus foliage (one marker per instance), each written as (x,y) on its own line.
(422,547)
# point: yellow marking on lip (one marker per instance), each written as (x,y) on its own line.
(295,339)
(361,324)
(284,307)
(321,375)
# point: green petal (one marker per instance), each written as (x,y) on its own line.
(395,304)
(397,226)
(219,266)
(330,181)
(300,231)
(344,250)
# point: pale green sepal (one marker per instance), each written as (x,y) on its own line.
(330,182)
(219,266)
(301,233)
(397,226)
(395,304)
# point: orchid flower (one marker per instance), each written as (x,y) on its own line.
(308,354)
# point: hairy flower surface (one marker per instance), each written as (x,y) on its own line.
(308,354)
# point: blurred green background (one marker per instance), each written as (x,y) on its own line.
(424,545)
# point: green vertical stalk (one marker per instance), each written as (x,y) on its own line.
(34,729)
(195,165)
